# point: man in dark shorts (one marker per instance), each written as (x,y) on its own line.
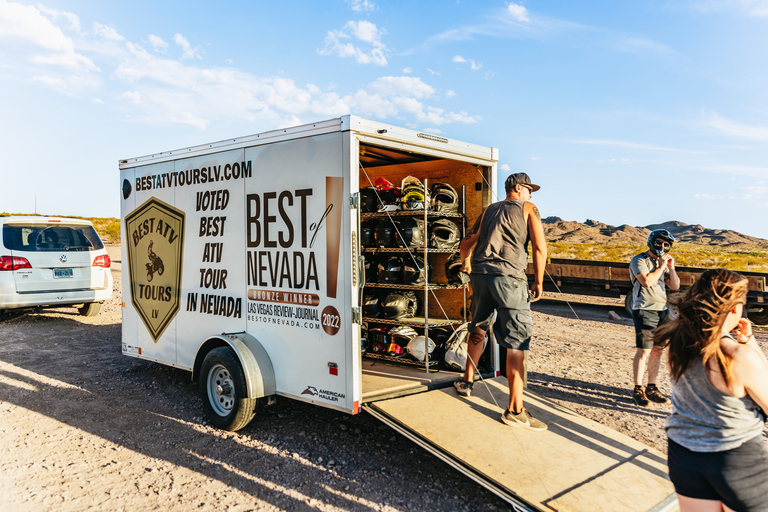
(650,272)
(499,248)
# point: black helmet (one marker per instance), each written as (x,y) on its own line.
(453,270)
(385,234)
(391,270)
(413,270)
(400,304)
(363,336)
(411,232)
(444,198)
(662,235)
(378,339)
(388,195)
(371,304)
(413,196)
(444,234)
(367,233)
(371,267)
(368,200)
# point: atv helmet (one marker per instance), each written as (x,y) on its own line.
(443,234)
(657,239)
(413,196)
(453,270)
(444,198)
(385,234)
(388,195)
(399,305)
(378,339)
(371,268)
(371,304)
(391,270)
(415,348)
(411,231)
(414,271)
(368,200)
(368,233)
(399,338)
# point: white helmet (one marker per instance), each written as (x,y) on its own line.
(415,347)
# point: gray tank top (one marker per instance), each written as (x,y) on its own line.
(704,419)
(502,248)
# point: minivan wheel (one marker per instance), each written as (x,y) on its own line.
(223,391)
(90,309)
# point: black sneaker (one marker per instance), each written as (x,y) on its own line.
(638,395)
(463,387)
(654,395)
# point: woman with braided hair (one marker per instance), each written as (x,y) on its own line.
(717,457)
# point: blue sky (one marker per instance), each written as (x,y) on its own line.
(624,112)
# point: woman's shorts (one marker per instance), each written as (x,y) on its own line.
(738,477)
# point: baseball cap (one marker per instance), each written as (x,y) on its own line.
(519,178)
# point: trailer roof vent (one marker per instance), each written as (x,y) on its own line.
(432,137)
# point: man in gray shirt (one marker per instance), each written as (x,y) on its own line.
(499,248)
(650,272)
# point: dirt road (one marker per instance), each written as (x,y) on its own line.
(84,428)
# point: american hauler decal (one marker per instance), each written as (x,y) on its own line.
(155,232)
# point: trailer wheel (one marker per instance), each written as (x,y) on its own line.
(223,390)
(760,317)
(628,304)
(90,309)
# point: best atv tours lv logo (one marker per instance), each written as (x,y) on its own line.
(155,238)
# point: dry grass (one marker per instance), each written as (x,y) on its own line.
(739,258)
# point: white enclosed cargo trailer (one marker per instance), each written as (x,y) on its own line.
(246,267)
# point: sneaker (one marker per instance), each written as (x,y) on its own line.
(463,387)
(523,419)
(654,395)
(638,395)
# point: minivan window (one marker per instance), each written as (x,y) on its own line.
(36,238)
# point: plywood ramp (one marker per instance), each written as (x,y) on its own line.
(576,465)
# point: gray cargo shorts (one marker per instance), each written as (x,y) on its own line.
(508,296)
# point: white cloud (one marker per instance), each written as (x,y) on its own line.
(337,43)
(74,20)
(189,52)
(535,158)
(407,71)
(30,38)
(107,32)
(754,8)
(450,94)
(714,120)
(640,45)
(505,167)
(158,43)
(518,12)
(462,60)
(625,144)
(433,73)
(361,5)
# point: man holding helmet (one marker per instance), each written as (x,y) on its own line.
(499,247)
(650,272)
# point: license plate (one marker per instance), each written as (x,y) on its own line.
(62,272)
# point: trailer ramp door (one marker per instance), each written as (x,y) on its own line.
(576,465)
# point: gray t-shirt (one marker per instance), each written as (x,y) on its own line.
(704,419)
(650,298)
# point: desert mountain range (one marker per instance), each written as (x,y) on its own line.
(591,231)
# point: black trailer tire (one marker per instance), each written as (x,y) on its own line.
(760,317)
(628,303)
(90,309)
(223,391)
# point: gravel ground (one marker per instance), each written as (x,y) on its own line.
(86,428)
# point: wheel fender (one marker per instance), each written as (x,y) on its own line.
(257,366)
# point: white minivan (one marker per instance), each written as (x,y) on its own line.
(50,262)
